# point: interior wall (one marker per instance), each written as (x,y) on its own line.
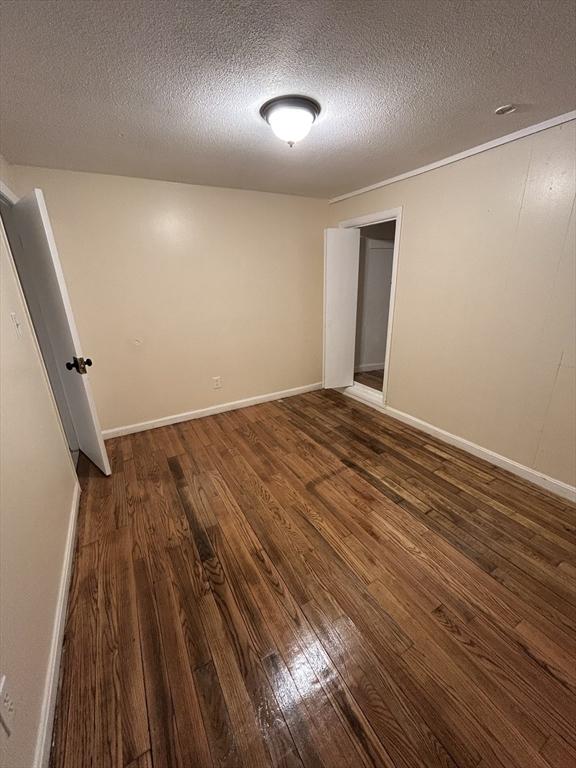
(484,336)
(173,284)
(374,282)
(37,484)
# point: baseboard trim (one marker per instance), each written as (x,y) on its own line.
(107,434)
(558,487)
(44,739)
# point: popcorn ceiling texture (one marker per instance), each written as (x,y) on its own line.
(171,90)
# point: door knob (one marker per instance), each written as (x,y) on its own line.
(79,364)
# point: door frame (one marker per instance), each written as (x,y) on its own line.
(6,194)
(379,217)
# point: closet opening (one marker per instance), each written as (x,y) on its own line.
(360,268)
(373,307)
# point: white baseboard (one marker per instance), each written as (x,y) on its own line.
(166,420)
(558,487)
(369,367)
(44,739)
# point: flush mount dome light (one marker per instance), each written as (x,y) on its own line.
(290,117)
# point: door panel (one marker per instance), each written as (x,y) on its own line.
(42,280)
(341,262)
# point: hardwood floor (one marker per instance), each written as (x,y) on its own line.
(373,379)
(311,583)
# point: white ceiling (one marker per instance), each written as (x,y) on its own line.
(171,89)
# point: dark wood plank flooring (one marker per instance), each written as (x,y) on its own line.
(311,583)
(373,379)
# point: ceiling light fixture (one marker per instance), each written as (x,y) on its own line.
(505,109)
(290,117)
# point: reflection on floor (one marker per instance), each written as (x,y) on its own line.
(374,379)
(311,584)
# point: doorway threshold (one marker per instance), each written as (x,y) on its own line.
(365,395)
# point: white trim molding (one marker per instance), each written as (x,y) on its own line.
(7,194)
(377,217)
(522,133)
(107,434)
(365,394)
(558,487)
(44,738)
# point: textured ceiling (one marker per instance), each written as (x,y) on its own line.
(171,90)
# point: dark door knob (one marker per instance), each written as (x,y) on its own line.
(79,364)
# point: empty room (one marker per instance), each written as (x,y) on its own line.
(288,384)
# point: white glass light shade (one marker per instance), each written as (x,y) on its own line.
(289,123)
(290,117)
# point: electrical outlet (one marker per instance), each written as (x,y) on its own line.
(6,707)
(216,382)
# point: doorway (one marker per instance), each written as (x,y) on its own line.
(33,250)
(374,284)
(360,268)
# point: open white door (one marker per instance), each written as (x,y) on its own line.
(341,263)
(42,280)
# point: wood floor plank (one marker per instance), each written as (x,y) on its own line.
(442,730)
(315,714)
(144,761)
(188,586)
(121,722)
(398,726)
(369,748)
(547,652)
(221,737)
(76,711)
(193,746)
(473,690)
(309,583)
(270,721)
(373,379)
(243,718)
(558,754)
(162,725)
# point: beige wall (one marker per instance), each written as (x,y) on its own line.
(37,482)
(483,341)
(172,284)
